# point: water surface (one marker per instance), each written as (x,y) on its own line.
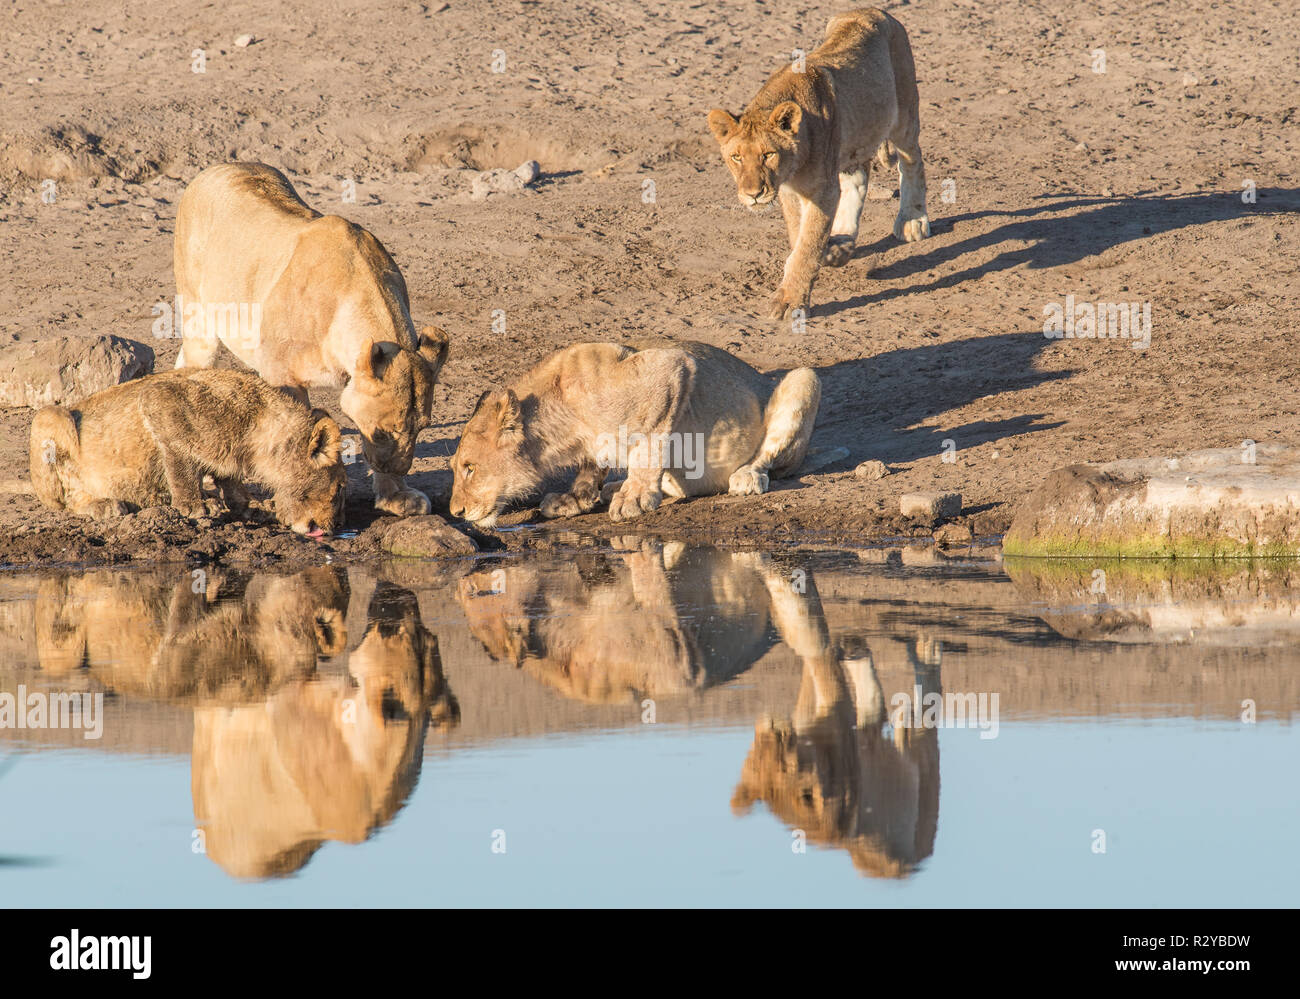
(656,725)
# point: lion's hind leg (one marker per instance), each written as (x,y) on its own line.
(55,453)
(912,223)
(787,428)
(844,228)
(56,468)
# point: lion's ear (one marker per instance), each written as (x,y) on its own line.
(510,417)
(370,359)
(433,348)
(326,443)
(786,117)
(721,123)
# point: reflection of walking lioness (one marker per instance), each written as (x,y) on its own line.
(831,770)
(696,421)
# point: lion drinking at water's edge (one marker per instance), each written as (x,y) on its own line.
(685,420)
(809,139)
(331,310)
(151,441)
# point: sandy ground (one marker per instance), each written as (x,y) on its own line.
(1119,186)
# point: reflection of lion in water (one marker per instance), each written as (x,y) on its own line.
(327,759)
(830,770)
(207,635)
(606,629)
(654,623)
(285,755)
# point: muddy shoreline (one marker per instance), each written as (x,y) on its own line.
(161,535)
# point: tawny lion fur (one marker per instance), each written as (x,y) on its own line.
(149,442)
(809,138)
(565,412)
(327,307)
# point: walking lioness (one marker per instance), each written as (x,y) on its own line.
(684,420)
(326,306)
(810,136)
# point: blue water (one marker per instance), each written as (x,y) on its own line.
(1195,814)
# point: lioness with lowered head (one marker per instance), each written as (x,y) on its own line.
(149,442)
(809,139)
(328,308)
(684,420)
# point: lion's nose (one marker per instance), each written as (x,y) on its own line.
(457,509)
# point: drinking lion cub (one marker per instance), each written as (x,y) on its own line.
(684,420)
(149,442)
(810,136)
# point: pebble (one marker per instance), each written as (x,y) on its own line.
(871,470)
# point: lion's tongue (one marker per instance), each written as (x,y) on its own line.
(318,533)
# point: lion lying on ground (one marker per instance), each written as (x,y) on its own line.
(810,136)
(149,442)
(326,307)
(684,420)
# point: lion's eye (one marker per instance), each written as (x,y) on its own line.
(769,157)
(467,471)
(735,159)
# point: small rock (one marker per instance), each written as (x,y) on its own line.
(954,534)
(930,506)
(1189,80)
(425,537)
(243,41)
(528,171)
(871,470)
(504,181)
(64,370)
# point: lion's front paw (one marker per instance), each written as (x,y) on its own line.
(633,500)
(747,482)
(565,505)
(107,509)
(912,230)
(406,502)
(839,251)
(200,509)
(785,302)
